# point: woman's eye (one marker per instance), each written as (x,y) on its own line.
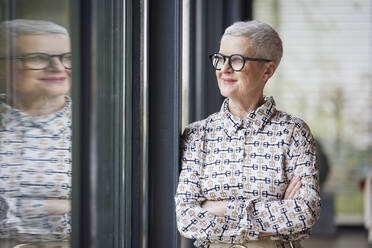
(36,58)
(236,60)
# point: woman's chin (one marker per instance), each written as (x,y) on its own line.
(226,91)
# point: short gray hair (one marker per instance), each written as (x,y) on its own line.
(265,41)
(11,30)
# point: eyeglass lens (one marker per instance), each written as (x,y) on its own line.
(43,61)
(235,61)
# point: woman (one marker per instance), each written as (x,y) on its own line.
(248,177)
(35,134)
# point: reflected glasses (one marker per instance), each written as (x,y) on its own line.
(42,61)
(236,61)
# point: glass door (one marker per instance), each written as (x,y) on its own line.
(35,116)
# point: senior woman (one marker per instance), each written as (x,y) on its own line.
(35,134)
(248,177)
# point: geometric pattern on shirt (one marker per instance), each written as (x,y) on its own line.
(35,165)
(248,162)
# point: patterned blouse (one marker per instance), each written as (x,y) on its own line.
(35,165)
(248,162)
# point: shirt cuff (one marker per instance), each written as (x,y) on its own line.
(31,208)
(233,209)
(236,211)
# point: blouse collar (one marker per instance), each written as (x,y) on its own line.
(256,119)
(11,117)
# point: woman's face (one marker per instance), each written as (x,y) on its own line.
(250,81)
(54,81)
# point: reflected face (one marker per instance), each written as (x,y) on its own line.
(54,81)
(247,82)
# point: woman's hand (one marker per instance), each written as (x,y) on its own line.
(293,189)
(57,207)
(219,207)
(215,207)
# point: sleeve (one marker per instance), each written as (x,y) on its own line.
(29,216)
(192,221)
(290,218)
(14,213)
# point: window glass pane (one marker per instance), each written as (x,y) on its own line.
(325,78)
(35,123)
(185,63)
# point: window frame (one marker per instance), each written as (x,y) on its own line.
(101,215)
(100,151)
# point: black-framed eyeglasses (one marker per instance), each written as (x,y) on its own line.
(42,61)
(236,61)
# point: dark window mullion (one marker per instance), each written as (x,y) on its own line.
(164,119)
(98,141)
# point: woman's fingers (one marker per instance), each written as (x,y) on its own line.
(293,188)
(266,234)
(60,206)
(215,207)
(296,190)
(290,188)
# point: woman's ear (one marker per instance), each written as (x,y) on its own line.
(270,68)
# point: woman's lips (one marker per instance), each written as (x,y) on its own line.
(54,79)
(228,80)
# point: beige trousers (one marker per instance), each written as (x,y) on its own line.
(13,244)
(250,244)
(258,244)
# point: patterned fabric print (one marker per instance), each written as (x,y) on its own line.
(35,165)
(248,162)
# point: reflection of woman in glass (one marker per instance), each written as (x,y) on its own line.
(249,177)
(35,133)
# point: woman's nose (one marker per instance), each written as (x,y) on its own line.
(226,67)
(56,64)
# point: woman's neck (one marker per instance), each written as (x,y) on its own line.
(39,106)
(243,108)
